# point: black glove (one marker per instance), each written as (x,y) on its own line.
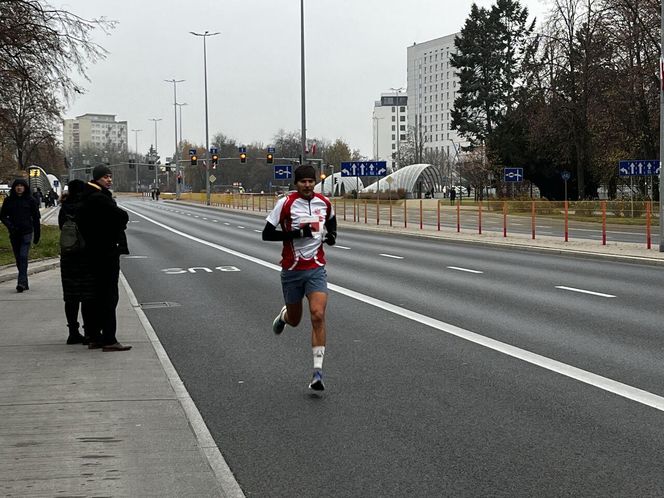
(331,238)
(306,231)
(35,239)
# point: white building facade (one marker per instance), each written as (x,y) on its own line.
(432,89)
(390,127)
(100,131)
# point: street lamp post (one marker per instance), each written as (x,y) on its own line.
(207,139)
(302,85)
(136,165)
(175,151)
(181,106)
(376,122)
(156,170)
(398,92)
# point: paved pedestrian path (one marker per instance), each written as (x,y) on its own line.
(80,422)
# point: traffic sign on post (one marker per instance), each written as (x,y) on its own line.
(364,168)
(192,152)
(513,174)
(283,171)
(639,168)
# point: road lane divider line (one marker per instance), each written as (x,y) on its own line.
(391,256)
(583,291)
(467,270)
(206,442)
(341,247)
(604,383)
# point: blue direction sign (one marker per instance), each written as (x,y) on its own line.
(242,149)
(214,150)
(364,168)
(192,152)
(283,171)
(513,174)
(639,168)
(566,175)
(270,150)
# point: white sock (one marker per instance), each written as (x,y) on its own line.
(319,353)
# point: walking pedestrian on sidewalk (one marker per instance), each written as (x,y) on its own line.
(302,216)
(20,214)
(75,271)
(102,224)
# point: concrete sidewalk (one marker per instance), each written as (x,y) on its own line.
(80,422)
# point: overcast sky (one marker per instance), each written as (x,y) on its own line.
(355,50)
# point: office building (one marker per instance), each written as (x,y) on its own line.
(432,89)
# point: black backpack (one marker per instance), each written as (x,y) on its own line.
(71,240)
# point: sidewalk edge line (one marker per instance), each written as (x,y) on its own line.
(206,442)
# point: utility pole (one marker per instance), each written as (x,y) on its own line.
(661,135)
(178,176)
(136,165)
(156,168)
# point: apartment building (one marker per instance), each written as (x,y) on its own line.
(432,88)
(100,131)
(390,127)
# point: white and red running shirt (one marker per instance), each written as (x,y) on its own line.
(293,211)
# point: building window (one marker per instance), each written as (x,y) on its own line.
(402,127)
(394,146)
(402,118)
(394,127)
(402,109)
(402,137)
(394,136)
(394,118)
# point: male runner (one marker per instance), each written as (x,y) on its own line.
(302,216)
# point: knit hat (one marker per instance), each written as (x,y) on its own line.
(101,170)
(305,171)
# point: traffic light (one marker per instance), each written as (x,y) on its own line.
(215,160)
(194,160)
(322,176)
(270,158)
(243,157)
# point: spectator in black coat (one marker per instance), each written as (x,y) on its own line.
(75,272)
(20,214)
(102,224)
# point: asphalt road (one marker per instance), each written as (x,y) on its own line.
(451,369)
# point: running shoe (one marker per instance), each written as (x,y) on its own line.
(317,381)
(278,323)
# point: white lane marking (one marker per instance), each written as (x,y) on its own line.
(604,383)
(467,270)
(227,224)
(205,219)
(258,231)
(134,257)
(342,247)
(215,221)
(583,291)
(196,216)
(391,256)
(239,226)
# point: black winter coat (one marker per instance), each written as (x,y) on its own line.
(75,269)
(20,213)
(102,224)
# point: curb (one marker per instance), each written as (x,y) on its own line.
(9,272)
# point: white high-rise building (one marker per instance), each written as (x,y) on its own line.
(94,130)
(390,127)
(432,88)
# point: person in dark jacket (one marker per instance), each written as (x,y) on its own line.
(20,214)
(75,273)
(102,224)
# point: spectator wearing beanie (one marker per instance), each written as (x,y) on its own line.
(102,224)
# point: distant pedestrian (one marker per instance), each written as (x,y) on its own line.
(102,224)
(452,195)
(156,193)
(39,197)
(301,217)
(75,270)
(20,214)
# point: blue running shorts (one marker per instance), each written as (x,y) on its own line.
(296,284)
